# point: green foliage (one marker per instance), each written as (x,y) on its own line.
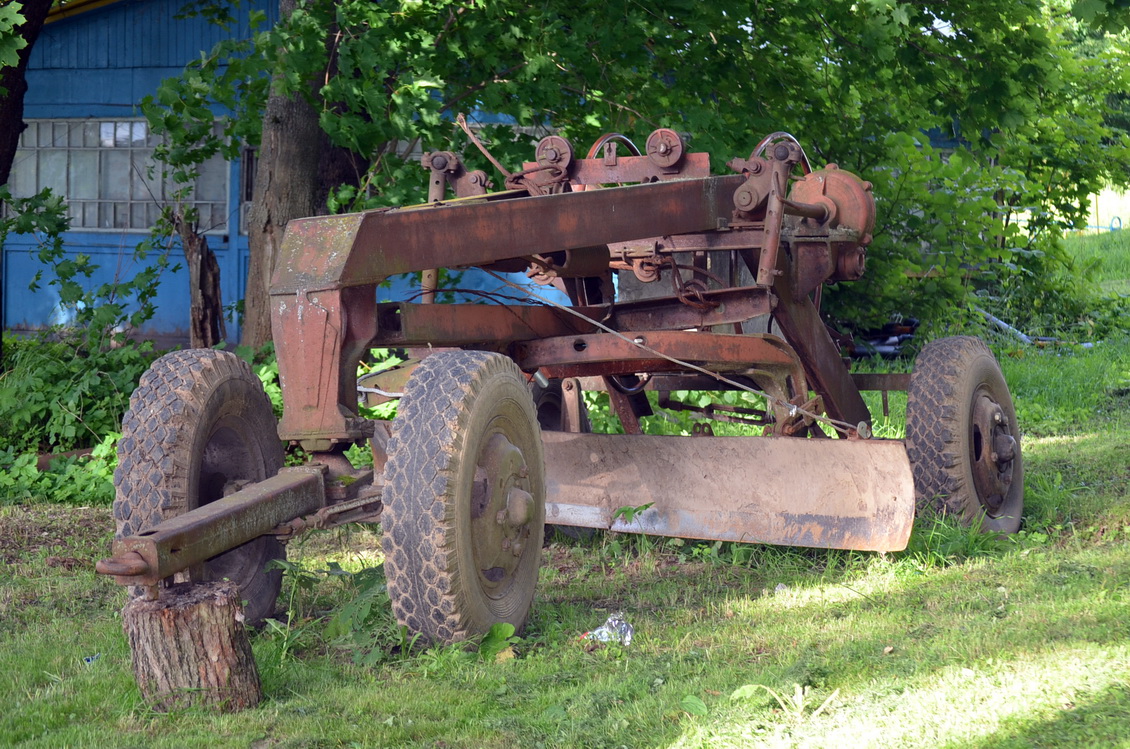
(266,367)
(939,235)
(628,514)
(1107,15)
(498,642)
(79,481)
(795,707)
(10,41)
(58,395)
(694,705)
(358,620)
(1045,404)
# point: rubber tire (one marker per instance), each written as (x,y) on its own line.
(453,403)
(199,419)
(948,374)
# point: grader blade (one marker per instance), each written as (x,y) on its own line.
(832,494)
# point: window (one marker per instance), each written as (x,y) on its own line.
(105,169)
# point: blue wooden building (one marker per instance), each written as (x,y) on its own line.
(94,61)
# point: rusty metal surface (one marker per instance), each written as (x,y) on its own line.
(495,326)
(365,248)
(323,288)
(719,352)
(319,338)
(194,537)
(634,169)
(488,326)
(727,239)
(666,313)
(873,381)
(800,321)
(833,494)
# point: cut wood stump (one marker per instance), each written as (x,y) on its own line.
(190,648)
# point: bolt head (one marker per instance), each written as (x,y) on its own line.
(439,161)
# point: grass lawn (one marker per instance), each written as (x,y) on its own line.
(1106,258)
(964,640)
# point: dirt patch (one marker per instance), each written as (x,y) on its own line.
(69,536)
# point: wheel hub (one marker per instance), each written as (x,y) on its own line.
(992,451)
(502,509)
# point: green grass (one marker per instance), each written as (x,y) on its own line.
(1105,258)
(964,640)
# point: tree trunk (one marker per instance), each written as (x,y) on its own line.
(190,649)
(13,79)
(205,306)
(296,167)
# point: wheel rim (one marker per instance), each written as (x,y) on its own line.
(502,509)
(992,451)
(228,462)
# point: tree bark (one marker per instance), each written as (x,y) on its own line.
(296,167)
(205,306)
(14,80)
(286,180)
(190,649)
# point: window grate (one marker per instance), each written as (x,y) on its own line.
(106,172)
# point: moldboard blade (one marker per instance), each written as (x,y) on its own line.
(825,493)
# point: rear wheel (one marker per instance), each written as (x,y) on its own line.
(199,427)
(962,437)
(464,497)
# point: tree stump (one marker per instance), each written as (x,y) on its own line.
(190,648)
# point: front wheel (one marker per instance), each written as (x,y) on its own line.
(464,498)
(199,427)
(962,437)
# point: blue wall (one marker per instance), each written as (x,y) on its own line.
(100,64)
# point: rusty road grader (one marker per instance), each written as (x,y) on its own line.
(491,439)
